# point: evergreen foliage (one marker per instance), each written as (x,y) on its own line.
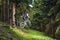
(45,14)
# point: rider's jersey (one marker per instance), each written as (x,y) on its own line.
(25,16)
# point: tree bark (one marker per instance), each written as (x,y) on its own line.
(13,13)
(3,10)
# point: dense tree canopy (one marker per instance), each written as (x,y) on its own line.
(45,15)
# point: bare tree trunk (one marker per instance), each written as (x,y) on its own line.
(51,27)
(3,10)
(7,12)
(13,13)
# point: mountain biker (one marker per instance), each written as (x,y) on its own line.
(26,18)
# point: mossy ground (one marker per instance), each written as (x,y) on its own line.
(9,33)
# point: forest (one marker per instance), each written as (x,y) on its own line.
(42,23)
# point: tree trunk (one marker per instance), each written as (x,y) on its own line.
(51,27)
(3,10)
(13,13)
(7,12)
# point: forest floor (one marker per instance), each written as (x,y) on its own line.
(7,33)
(30,34)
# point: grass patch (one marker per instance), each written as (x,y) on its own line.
(31,35)
(26,34)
